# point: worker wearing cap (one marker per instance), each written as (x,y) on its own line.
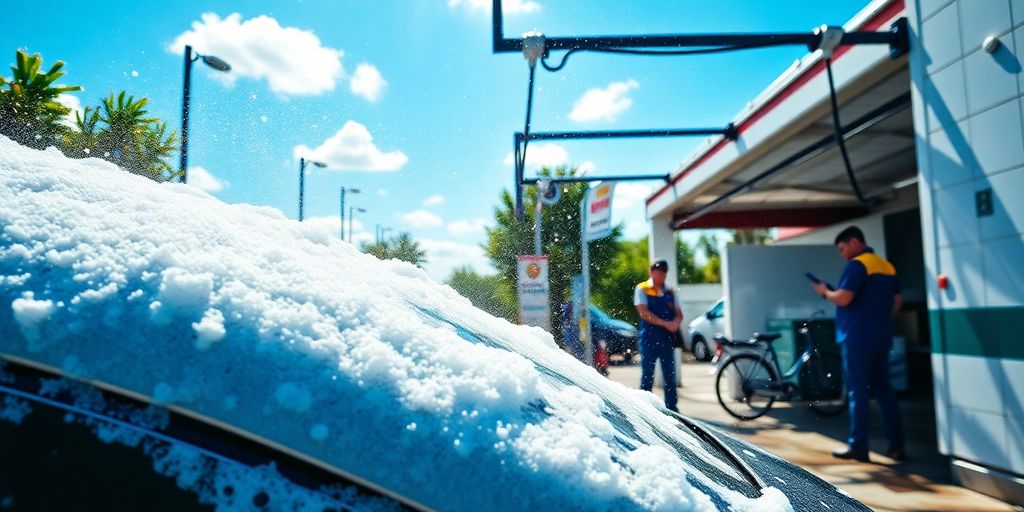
(659,320)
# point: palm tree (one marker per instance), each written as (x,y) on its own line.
(136,143)
(29,111)
(401,247)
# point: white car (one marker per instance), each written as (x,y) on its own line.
(703,330)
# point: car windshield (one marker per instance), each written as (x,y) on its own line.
(227,313)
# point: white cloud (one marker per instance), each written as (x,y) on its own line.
(202,179)
(635,230)
(368,82)
(292,60)
(630,195)
(444,256)
(507,7)
(542,155)
(382,192)
(74,103)
(332,225)
(352,149)
(603,104)
(586,167)
(433,200)
(467,227)
(421,219)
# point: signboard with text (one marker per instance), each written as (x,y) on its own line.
(599,211)
(534,289)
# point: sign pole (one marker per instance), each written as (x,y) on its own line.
(585,253)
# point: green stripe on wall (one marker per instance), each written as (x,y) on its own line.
(986,332)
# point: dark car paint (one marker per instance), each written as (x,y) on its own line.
(604,329)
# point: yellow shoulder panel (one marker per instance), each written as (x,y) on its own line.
(648,288)
(875,264)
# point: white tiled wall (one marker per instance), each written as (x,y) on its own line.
(1002,259)
(1014,390)
(976,384)
(950,94)
(982,18)
(980,437)
(972,127)
(941,51)
(996,138)
(1015,442)
(989,82)
(1007,219)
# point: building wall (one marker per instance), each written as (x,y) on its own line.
(969,130)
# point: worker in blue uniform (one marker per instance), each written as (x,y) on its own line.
(866,298)
(659,320)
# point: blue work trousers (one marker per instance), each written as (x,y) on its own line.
(650,353)
(866,368)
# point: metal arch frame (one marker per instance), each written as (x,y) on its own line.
(896,39)
(520,165)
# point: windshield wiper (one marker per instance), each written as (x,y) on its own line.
(726,452)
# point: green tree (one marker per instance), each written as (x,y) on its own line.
(560,240)
(614,292)
(401,247)
(29,111)
(712,271)
(751,236)
(487,292)
(136,143)
(686,259)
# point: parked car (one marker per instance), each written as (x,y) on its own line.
(620,337)
(236,360)
(703,329)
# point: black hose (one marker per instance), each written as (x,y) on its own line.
(840,141)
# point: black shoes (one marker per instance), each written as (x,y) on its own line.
(848,454)
(897,454)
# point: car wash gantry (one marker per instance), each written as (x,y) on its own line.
(538,47)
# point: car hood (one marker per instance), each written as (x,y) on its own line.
(230,312)
(621,325)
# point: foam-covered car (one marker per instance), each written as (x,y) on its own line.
(164,350)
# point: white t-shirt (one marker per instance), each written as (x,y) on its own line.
(640,296)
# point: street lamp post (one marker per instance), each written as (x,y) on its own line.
(352,190)
(381,230)
(214,63)
(302,180)
(350,217)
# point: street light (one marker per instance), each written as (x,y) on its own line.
(350,217)
(302,180)
(381,230)
(214,63)
(342,210)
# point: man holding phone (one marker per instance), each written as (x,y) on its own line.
(866,298)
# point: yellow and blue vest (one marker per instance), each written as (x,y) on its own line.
(868,318)
(661,303)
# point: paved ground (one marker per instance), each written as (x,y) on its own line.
(795,433)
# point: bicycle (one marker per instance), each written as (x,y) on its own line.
(749,382)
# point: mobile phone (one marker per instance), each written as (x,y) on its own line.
(814,279)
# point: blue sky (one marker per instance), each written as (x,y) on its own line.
(405,100)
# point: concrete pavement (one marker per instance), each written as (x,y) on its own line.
(795,433)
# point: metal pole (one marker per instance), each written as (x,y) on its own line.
(183,164)
(302,184)
(342,213)
(585,254)
(536,226)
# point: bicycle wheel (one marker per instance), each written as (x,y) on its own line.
(825,374)
(741,384)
